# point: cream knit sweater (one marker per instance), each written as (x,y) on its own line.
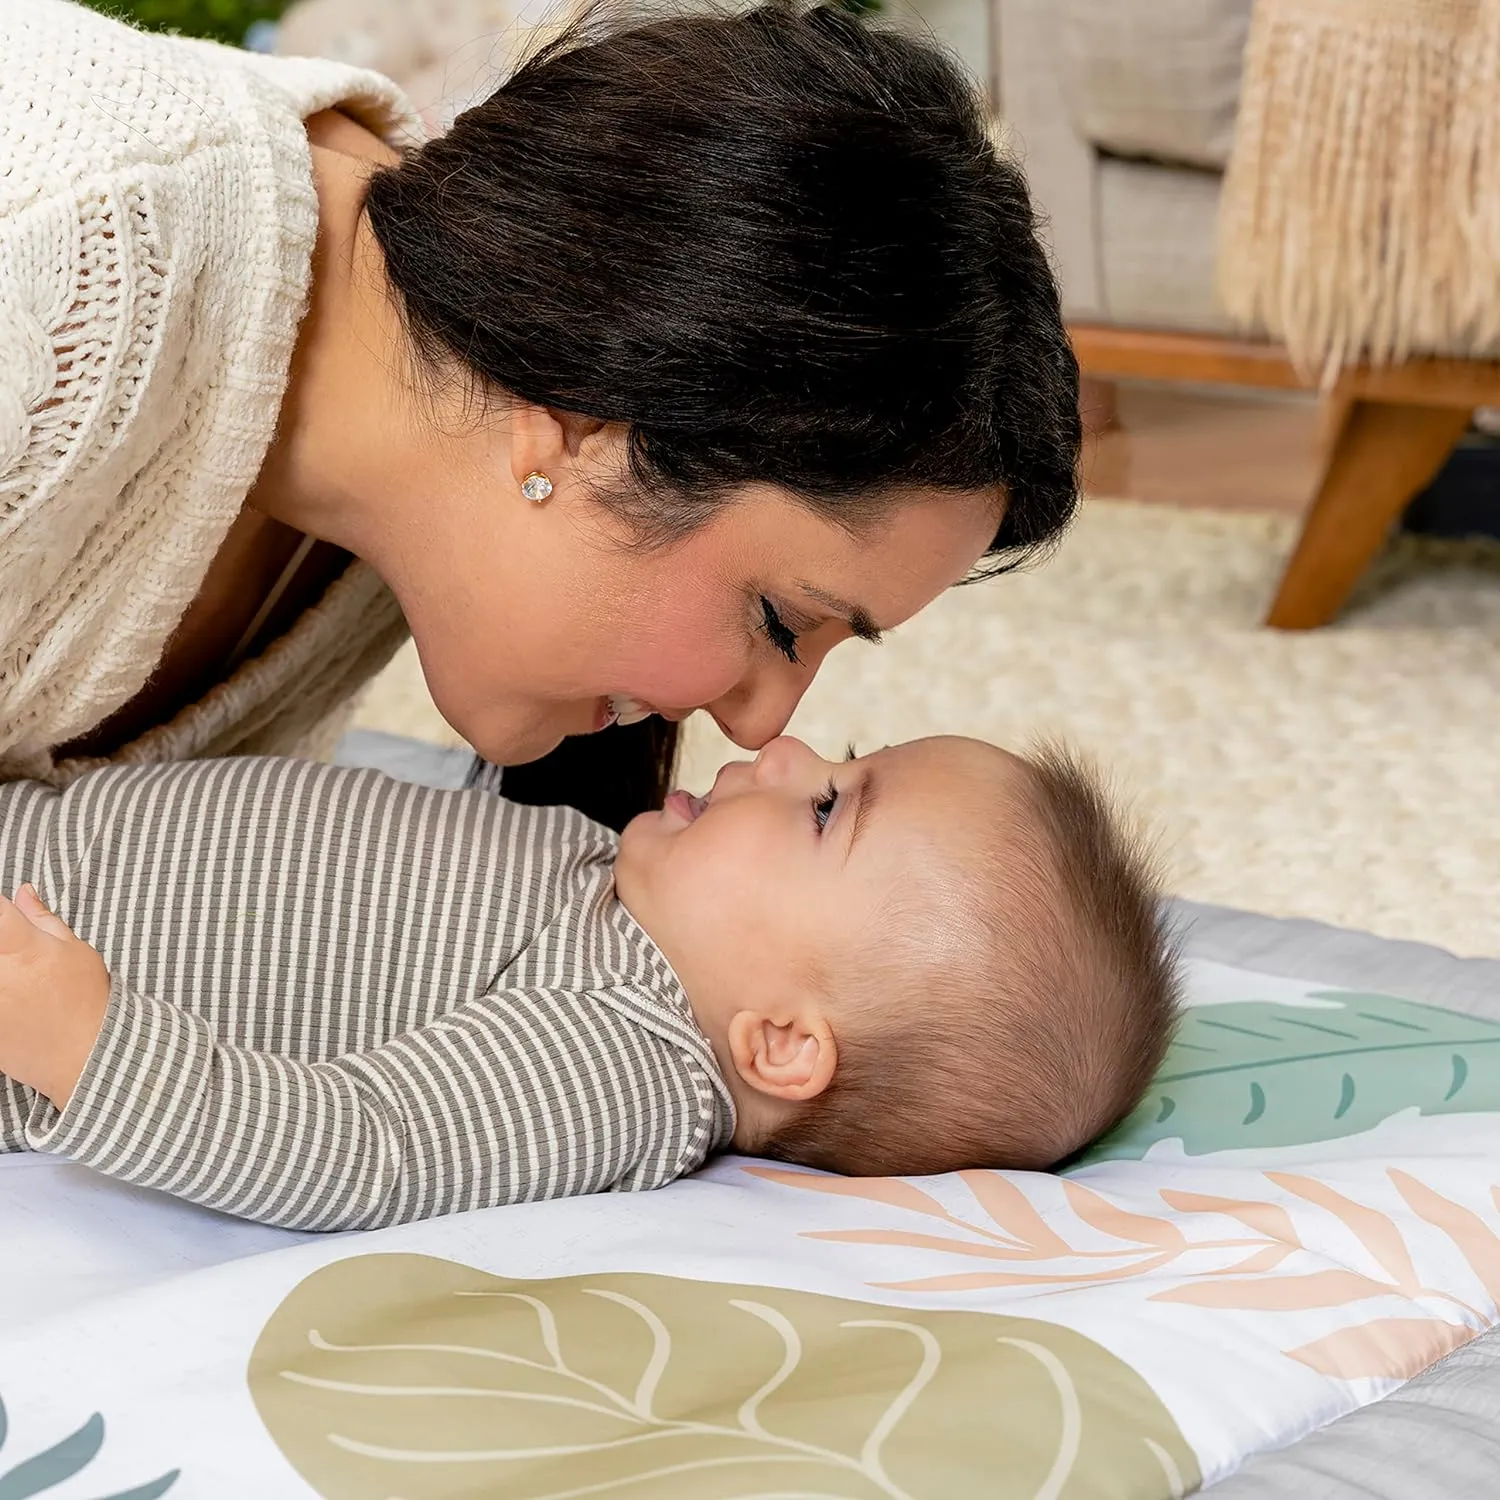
(157,219)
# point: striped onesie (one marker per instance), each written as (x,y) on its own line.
(340,1001)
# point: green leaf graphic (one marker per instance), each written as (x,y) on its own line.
(63,1461)
(152,1491)
(385,1375)
(1259,1073)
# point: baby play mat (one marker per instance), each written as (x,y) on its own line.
(1303,1215)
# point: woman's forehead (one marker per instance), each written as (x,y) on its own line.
(921,546)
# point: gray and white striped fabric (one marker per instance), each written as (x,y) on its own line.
(340,1001)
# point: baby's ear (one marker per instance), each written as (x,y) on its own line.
(783,1055)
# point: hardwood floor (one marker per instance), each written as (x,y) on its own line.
(1173,445)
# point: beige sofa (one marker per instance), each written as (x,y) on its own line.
(1124,110)
(1124,113)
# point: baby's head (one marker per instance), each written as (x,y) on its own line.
(933,957)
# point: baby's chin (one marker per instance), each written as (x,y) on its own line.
(630,838)
(642,835)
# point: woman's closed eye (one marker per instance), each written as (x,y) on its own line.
(778,632)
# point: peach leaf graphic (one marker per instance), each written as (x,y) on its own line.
(1099,1213)
(1269,1219)
(1261,1261)
(1057,1280)
(892,1192)
(907,1240)
(1377,1233)
(1279,1293)
(1476,1241)
(1384,1348)
(1000,1197)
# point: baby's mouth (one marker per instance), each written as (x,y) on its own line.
(687,807)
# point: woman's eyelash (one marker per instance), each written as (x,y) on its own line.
(780,634)
(823,805)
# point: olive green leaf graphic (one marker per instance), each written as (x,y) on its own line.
(411,1376)
(1257,1073)
(58,1464)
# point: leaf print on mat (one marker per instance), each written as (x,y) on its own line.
(1383,1349)
(1017,1232)
(1148,1245)
(408,1375)
(1254,1073)
(1279,1293)
(63,1461)
(1377,1232)
(1476,1242)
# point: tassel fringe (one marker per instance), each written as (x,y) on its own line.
(1360,217)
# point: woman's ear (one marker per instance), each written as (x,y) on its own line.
(788,1055)
(546,441)
(538,441)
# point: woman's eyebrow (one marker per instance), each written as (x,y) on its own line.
(857,618)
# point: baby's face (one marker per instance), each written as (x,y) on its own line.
(785,869)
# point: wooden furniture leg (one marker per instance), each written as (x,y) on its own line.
(1333,413)
(1383,455)
(1388,427)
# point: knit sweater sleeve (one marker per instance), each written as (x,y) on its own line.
(157,220)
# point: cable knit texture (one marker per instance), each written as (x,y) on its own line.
(157,220)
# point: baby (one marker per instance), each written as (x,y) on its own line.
(321,998)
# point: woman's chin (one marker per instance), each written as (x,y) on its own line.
(507,745)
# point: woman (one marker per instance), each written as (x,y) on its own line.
(700,347)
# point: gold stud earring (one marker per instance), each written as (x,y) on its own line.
(536,486)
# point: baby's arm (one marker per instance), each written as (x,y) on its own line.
(512,1096)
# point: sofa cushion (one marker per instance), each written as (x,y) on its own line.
(1156,246)
(1154,78)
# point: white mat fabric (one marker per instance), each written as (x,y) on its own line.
(1304,1212)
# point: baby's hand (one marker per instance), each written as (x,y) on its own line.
(54,990)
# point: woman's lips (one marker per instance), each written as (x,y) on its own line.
(629,710)
(686,806)
(621,708)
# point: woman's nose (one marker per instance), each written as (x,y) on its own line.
(758,708)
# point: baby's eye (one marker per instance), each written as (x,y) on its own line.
(823,805)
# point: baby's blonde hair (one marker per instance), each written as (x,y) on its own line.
(1045,1028)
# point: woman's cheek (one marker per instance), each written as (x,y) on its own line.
(685,672)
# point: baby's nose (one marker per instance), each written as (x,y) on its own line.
(784,758)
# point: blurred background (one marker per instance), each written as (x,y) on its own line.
(1349,773)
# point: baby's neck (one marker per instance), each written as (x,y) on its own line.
(755,1115)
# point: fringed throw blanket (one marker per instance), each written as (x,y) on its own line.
(1361,208)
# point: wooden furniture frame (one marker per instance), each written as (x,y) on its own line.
(1388,432)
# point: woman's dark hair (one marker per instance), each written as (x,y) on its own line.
(778,245)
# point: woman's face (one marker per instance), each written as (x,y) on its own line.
(537,621)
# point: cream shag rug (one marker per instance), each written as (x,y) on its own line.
(1350,774)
